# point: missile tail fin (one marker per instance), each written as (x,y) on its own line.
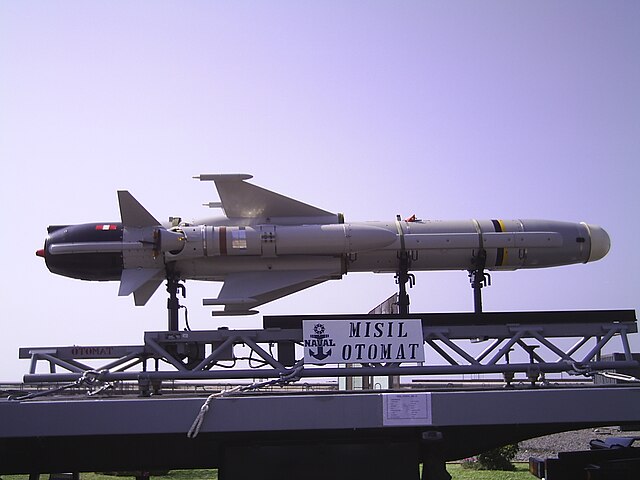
(133,213)
(142,295)
(142,282)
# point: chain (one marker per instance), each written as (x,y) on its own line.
(284,379)
(89,378)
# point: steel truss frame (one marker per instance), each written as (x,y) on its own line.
(200,355)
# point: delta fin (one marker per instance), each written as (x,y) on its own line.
(142,282)
(133,214)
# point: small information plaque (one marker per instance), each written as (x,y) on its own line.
(406,409)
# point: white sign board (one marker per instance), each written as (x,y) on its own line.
(363,341)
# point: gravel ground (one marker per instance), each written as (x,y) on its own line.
(550,445)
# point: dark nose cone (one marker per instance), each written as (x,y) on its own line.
(85,266)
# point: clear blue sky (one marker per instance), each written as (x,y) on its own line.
(444,109)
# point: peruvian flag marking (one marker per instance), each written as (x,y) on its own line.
(106,227)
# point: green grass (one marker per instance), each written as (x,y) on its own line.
(454,469)
(190,475)
(520,473)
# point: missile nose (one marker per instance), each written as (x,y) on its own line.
(600,242)
(40,253)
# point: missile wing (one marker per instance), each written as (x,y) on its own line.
(244,291)
(242,200)
(267,246)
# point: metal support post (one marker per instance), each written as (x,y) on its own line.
(173,304)
(479,278)
(433,460)
(402,278)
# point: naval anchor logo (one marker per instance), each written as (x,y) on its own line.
(320,340)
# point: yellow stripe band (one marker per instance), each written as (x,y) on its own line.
(501,253)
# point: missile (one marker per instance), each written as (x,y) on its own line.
(267,246)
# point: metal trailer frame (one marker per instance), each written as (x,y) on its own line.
(249,434)
(199,355)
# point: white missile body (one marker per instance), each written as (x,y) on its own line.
(268,246)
